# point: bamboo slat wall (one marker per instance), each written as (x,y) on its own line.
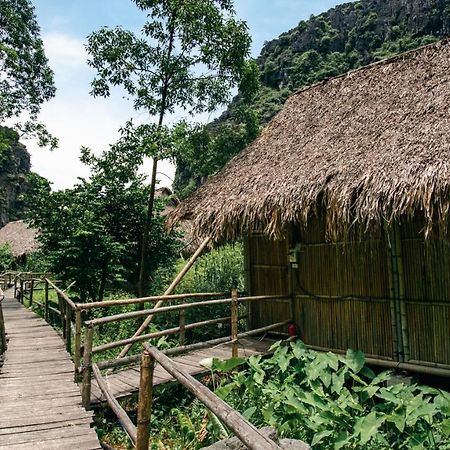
(390,299)
(269,272)
(427,294)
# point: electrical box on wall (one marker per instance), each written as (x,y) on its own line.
(294,254)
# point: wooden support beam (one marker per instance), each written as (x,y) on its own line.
(115,405)
(77,353)
(243,429)
(87,369)
(234,323)
(144,409)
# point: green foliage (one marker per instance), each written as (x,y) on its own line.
(27,80)
(336,402)
(220,270)
(189,54)
(6,258)
(89,233)
(15,177)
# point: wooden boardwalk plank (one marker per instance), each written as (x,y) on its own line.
(40,403)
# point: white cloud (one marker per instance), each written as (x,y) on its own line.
(64,51)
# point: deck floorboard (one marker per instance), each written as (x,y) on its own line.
(40,402)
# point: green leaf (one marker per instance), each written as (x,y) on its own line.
(224,391)
(227,364)
(368,426)
(319,437)
(248,413)
(445,427)
(355,360)
(342,440)
(399,419)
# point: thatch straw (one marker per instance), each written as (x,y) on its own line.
(19,237)
(367,147)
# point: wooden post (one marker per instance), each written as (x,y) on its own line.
(182,327)
(87,368)
(234,323)
(46,301)
(68,328)
(3,345)
(31,291)
(21,291)
(145,401)
(77,354)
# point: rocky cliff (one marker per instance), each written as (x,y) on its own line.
(14,170)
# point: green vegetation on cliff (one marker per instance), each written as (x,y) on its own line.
(16,179)
(342,39)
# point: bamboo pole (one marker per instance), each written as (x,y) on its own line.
(127,360)
(46,301)
(114,405)
(31,291)
(234,323)
(153,311)
(168,291)
(158,334)
(244,430)
(153,299)
(77,354)
(144,408)
(87,369)
(182,327)
(68,329)
(3,344)
(401,294)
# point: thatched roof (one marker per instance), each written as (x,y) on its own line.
(368,147)
(20,238)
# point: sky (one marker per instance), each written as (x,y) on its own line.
(77,118)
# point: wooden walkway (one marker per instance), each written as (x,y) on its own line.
(40,405)
(126,382)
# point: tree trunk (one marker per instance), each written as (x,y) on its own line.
(145,233)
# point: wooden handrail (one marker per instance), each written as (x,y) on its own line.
(3,344)
(158,334)
(127,360)
(243,429)
(121,414)
(153,299)
(147,312)
(63,295)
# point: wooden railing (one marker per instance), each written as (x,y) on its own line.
(3,344)
(73,319)
(200,301)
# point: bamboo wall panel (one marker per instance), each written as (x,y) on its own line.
(342,324)
(427,294)
(269,273)
(429,337)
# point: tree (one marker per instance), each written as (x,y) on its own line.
(89,233)
(27,80)
(189,55)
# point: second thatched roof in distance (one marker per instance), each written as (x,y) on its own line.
(21,239)
(368,147)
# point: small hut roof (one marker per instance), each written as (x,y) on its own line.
(368,147)
(20,238)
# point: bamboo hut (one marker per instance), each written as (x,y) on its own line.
(21,239)
(343,203)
